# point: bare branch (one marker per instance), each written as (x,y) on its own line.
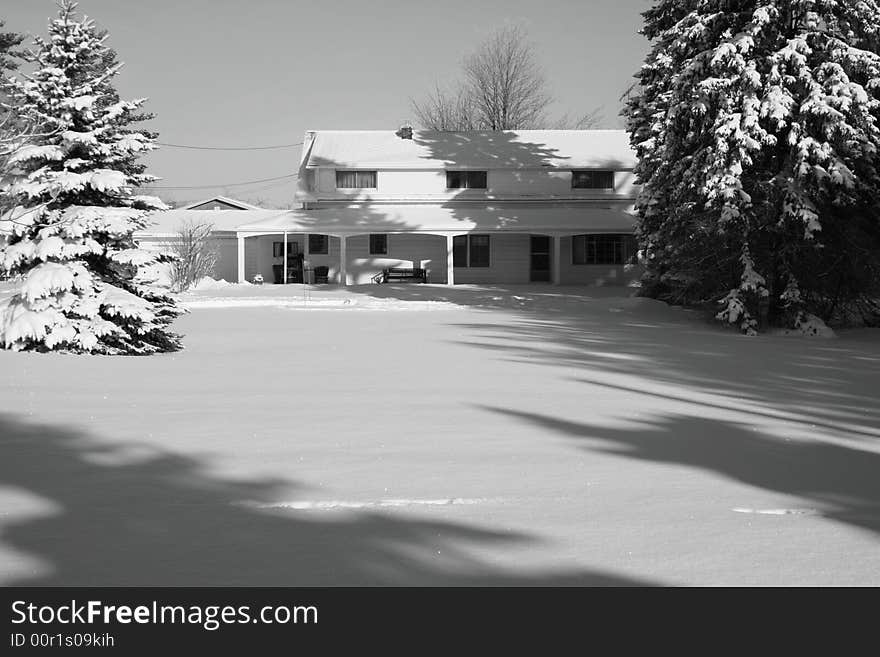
(588,121)
(196,255)
(504,88)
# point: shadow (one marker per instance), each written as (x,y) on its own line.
(841,482)
(536,198)
(109,516)
(609,337)
(533,164)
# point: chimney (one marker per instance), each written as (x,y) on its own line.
(405,131)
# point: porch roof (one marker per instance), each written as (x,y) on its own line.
(434,218)
(170,222)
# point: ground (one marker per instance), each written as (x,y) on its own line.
(415,434)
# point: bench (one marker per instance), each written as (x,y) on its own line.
(401,274)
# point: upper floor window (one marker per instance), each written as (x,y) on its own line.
(378,244)
(466,179)
(318,244)
(611,249)
(355,180)
(590,179)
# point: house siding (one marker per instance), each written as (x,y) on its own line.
(227,253)
(227,260)
(404,250)
(409,184)
(509,262)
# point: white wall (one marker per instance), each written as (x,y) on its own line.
(404,250)
(509,262)
(227,262)
(227,248)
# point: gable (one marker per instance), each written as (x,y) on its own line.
(215,205)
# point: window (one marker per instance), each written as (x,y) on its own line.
(378,244)
(355,180)
(466,179)
(318,244)
(470,251)
(459,250)
(616,249)
(479,251)
(278,249)
(592,179)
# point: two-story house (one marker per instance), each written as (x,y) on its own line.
(469,207)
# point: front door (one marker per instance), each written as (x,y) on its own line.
(294,263)
(540,259)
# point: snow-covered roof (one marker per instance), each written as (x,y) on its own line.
(477,149)
(241,205)
(392,218)
(170,221)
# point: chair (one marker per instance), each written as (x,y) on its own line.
(321,272)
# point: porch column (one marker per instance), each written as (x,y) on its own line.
(240,257)
(285,258)
(557,259)
(343,261)
(450,261)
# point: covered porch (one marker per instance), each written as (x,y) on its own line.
(351,245)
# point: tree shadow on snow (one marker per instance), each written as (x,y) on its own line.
(595,332)
(645,352)
(111,516)
(838,482)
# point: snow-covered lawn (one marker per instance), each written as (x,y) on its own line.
(424,435)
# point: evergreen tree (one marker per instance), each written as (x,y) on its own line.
(82,281)
(12,130)
(9,56)
(757,127)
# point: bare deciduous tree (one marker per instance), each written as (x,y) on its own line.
(503,88)
(447,110)
(506,82)
(583,122)
(195,254)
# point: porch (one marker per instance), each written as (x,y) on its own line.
(453,245)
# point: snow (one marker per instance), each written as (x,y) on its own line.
(515,435)
(33,152)
(107,180)
(119,302)
(248,295)
(809,326)
(51,277)
(88,138)
(208,283)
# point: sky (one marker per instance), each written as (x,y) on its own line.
(238,73)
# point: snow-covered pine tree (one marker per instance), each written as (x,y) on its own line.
(9,55)
(82,286)
(757,127)
(12,130)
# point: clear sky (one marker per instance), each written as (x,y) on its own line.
(262,72)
